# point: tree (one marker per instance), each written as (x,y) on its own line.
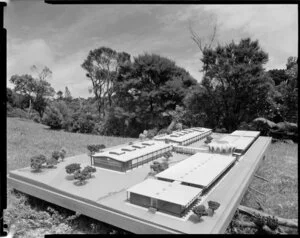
(68,94)
(235,88)
(213,205)
(36,162)
(81,176)
(148,87)
(62,153)
(102,66)
(37,90)
(200,211)
(278,76)
(59,95)
(93,149)
(71,168)
(56,155)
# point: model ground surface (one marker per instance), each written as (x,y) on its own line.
(281,160)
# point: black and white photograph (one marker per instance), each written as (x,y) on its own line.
(157,118)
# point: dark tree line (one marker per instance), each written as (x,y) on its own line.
(150,92)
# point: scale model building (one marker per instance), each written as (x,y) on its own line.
(139,201)
(131,156)
(185,137)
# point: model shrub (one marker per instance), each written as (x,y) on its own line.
(63,153)
(95,148)
(88,170)
(81,176)
(208,140)
(213,205)
(200,211)
(36,162)
(56,155)
(51,162)
(71,168)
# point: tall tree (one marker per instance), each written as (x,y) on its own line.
(102,66)
(235,84)
(59,94)
(147,88)
(68,95)
(37,90)
(278,75)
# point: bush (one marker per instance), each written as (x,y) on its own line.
(16,112)
(53,118)
(36,162)
(71,168)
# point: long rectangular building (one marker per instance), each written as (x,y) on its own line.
(172,198)
(185,137)
(130,156)
(199,170)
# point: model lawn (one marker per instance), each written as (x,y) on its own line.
(178,204)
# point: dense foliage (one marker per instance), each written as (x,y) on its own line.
(150,92)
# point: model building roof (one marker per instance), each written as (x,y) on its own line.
(170,192)
(133,151)
(201,169)
(246,133)
(241,143)
(183,135)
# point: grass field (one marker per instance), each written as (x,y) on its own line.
(31,217)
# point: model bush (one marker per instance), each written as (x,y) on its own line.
(167,155)
(208,140)
(56,155)
(72,168)
(63,153)
(213,205)
(88,170)
(200,211)
(51,162)
(81,176)
(36,162)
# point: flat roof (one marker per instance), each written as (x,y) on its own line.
(166,191)
(239,142)
(133,151)
(183,135)
(246,133)
(200,169)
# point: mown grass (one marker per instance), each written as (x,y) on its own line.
(28,216)
(31,217)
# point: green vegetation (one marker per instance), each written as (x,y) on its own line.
(281,193)
(200,211)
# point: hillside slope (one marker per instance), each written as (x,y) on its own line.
(26,138)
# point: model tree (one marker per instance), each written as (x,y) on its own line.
(81,177)
(208,140)
(93,149)
(36,162)
(63,153)
(72,168)
(88,170)
(167,155)
(51,162)
(213,205)
(200,211)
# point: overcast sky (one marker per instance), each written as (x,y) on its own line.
(60,36)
